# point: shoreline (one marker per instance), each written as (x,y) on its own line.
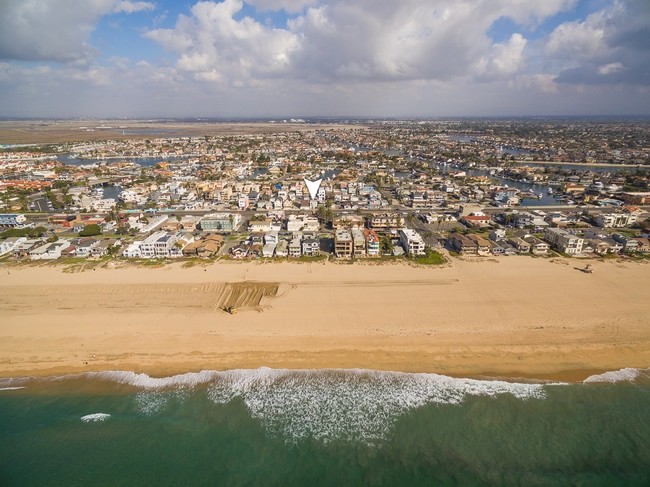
(520,318)
(576,376)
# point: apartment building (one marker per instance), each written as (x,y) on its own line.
(615,220)
(411,241)
(343,243)
(220,222)
(358,243)
(563,241)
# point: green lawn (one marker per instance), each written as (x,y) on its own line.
(431,257)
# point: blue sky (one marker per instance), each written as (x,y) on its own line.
(324,57)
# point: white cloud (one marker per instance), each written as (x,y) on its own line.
(215,47)
(290,6)
(610,68)
(379,40)
(333,57)
(54,30)
(609,46)
(505,59)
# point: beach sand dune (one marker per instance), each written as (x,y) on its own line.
(519,317)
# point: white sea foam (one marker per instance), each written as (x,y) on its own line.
(357,405)
(188,380)
(622,375)
(11,388)
(354,405)
(95,417)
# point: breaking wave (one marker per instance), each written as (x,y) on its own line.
(95,417)
(357,405)
(327,405)
(622,375)
(354,405)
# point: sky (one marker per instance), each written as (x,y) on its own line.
(324,58)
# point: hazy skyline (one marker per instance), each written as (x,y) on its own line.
(113,58)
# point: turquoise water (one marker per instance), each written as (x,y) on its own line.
(329,427)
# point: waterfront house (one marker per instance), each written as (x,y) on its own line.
(311,246)
(343,244)
(282,249)
(563,240)
(483,246)
(8,244)
(358,242)
(372,242)
(269,249)
(462,244)
(295,245)
(411,241)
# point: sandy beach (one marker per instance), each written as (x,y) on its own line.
(517,317)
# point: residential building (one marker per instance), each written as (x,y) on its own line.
(348,221)
(13,220)
(520,244)
(358,243)
(8,244)
(615,220)
(483,246)
(282,249)
(372,242)
(563,240)
(343,244)
(295,245)
(311,246)
(269,249)
(385,221)
(637,198)
(537,246)
(298,223)
(463,244)
(220,222)
(411,241)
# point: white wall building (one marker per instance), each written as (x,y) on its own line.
(411,241)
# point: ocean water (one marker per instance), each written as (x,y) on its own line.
(323,427)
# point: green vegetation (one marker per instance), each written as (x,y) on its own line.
(24,232)
(430,257)
(90,230)
(385,245)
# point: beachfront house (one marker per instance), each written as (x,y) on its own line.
(358,243)
(563,240)
(372,242)
(411,241)
(311,246)
(8,244)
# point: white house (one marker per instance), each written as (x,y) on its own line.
(8,244)
(411,241)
